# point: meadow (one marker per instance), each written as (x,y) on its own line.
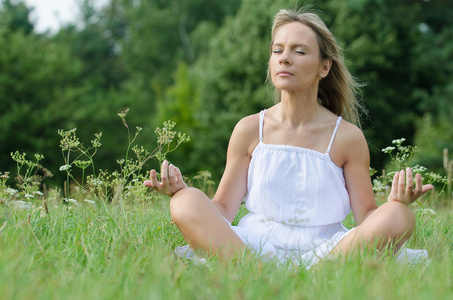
(105,236)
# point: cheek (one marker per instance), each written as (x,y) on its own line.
(270,69)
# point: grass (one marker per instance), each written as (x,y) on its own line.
(97,251)
(110,238)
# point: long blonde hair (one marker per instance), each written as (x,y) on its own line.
(337,91)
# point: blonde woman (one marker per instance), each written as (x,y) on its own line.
(302,165)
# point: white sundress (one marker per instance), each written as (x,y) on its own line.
(297,200)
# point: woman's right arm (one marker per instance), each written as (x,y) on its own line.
(233,185)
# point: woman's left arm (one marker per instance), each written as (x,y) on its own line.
(358,181)
(356,168)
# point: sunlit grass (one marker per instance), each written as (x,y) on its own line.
(111,238)
(104,252)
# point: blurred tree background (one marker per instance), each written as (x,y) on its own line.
(202,64)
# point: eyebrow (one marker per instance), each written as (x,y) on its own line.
(294,45)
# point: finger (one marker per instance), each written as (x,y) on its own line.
(153,178)
(164,173)
(409,181)
(401,183)
(171,174)
(179,178)
(427,187)
(152,182)
(418,184)
(394,190)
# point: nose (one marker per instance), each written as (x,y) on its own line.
(284,60)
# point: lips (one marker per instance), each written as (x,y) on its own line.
(284,73)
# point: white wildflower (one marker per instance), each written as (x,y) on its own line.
(74,201)
(388,149)
(21,205)
(97,182)
(29,196)
(90,201)
(398,141)
(11,191)
(65,167)
(418,169)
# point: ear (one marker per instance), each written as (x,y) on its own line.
(325,68)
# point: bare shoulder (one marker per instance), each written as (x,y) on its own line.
(350,132)
(349,144)
(246,133)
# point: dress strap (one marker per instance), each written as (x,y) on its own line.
(333,135)
(261,123)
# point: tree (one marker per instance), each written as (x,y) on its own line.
(35,79)
(15,16)
(231,80)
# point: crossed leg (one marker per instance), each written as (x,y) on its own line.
(390,225)
(202,225)
(204,228)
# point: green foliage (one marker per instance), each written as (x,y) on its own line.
(91,250)
(231,80)
(203,64)
(125,184)
(401,157)
(431,138)
(35,78)
(28,179)
(15,16)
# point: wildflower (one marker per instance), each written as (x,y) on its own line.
(378,186)
(74,201)
(29,196)
(398,141)
(11,191)
(65,167)
(123,112)
(83,164)
(89,201)
(4,175)
(21,205)
(388,149)
(39,156)
(97,182)
(38,193)
(418,169)
(97,141)
(434,177)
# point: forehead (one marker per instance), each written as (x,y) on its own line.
(295,33)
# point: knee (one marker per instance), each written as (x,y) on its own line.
(183,204)
(397,221)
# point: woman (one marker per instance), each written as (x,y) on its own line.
(301,166)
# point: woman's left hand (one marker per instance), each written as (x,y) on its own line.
(403,187)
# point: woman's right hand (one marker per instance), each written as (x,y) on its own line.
(171,178)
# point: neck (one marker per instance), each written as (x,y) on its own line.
(299,110)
